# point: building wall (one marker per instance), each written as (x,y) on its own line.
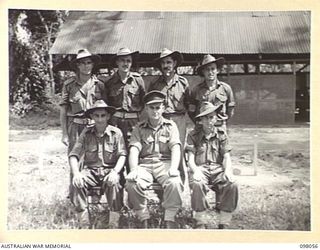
(261,99)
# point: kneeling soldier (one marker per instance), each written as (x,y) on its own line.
(104,157)
(155,154)
(210,163)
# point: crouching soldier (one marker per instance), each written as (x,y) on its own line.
(210,164)
(104,157)
(155,154)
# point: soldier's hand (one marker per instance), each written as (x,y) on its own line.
(112,178)
(65,140)
(78,180)
(132,176)
(198,175)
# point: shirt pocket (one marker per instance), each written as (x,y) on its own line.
(134,96)
(177,99)
(115,95)
(147,146)
(91,153)
(221,96)
(109,153)
(163,142)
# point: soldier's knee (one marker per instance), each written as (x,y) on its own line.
(130,186)
(173,183)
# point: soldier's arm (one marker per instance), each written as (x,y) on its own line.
(122,154)
(63,121)
(175,147)
(230,101)
(190,149)
(63,114)
(133,158)
(225,149)
(134,148)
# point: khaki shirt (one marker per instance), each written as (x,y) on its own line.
(79,97)
(222,94)
(177,92)
(207,149)
(126,96)
(98,152)
(92,91)
(155,142)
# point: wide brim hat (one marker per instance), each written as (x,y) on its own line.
(176,55)
(124,52)
(100,104)
(84,53)
(207,108)
(208,59)
(154,96)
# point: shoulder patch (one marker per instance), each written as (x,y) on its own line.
(114,129)
(167,121)
(225,85)
(183,80)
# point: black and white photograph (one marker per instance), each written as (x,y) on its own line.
(159,120)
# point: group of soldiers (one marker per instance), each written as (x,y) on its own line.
(111,146)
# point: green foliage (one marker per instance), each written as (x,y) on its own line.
(31,33)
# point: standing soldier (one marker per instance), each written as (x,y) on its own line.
(155,154)
(125,91)
(210,164)
(104,157)
(176,89)
(74,103)
(212,90)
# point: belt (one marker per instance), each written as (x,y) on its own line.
(173,114)
(83,121)
(126,115)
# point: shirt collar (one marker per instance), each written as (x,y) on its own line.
(172,82)
(107,131)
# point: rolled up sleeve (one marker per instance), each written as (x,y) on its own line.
(121,146)
(135,140)
(64,95)
(175,136)
(78,147)
(225,146)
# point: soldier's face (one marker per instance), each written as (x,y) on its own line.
(85,66)
(124,63)
(210,72)
(208,121)
(100,117)
(155,110)
(168,65)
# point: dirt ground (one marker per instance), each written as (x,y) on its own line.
(277,198)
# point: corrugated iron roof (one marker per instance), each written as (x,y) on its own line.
(187,32)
